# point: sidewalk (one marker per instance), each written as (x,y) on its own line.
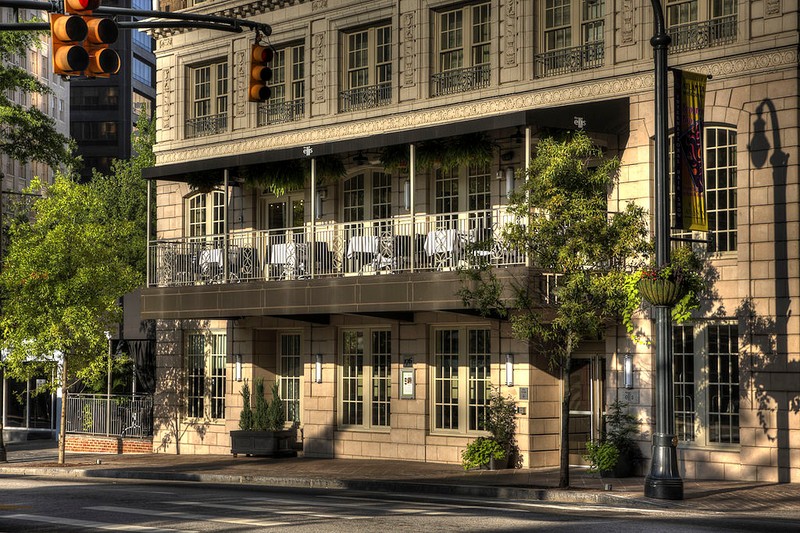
(40,459)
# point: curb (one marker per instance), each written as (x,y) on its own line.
(471,491)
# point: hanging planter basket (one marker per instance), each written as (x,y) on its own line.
(660,291)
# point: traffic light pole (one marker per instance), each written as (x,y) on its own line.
(189,20)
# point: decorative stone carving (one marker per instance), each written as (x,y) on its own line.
(163,43)
(409,46)
(166,97)
(627,22)
(511,33)
(773,8)
(317,5)
(242,81)
(319,67)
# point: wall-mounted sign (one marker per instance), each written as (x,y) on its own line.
(523,393)
(408,362)
(407,384)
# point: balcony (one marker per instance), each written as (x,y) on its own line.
(707,34)
(567,60)
(365,97)
(209,125)
(405,244)
(281,112)
(460,80)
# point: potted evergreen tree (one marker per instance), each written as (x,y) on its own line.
(500,449)
(616,454)
(262,431)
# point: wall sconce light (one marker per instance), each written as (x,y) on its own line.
(509,181)
(407,195)
(237,367)
(628,371)
(509,369)
(318,368)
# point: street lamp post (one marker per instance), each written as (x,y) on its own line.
(664,481)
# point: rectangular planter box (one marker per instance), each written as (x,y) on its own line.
(268,443)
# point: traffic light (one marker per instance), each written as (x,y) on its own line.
(67,33)
(80,41)
(102,60)
(260,73)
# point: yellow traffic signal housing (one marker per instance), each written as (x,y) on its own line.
(260,73)
(102,60)
(67,33)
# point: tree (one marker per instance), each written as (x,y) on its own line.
(27,134)
(62,277)
(561,220)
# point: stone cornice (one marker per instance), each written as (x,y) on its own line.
(558,96)
(232,9)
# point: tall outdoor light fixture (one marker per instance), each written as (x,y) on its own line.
(664,480)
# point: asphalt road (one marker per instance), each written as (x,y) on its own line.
(39,504)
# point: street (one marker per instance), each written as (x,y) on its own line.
(39,504)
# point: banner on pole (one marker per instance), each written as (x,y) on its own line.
(690,189)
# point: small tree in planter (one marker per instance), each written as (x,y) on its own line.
(616,454)
(262,431)
(499,450)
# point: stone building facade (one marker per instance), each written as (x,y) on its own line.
(345,292)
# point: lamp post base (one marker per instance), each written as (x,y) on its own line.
(664,481)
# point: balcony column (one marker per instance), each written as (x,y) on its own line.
(225,243)
(313,243)
(412,179)
(147,238)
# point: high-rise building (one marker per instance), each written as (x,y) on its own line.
(104,111)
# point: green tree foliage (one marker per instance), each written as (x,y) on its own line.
(62,278)
(27,134)
(561,221)
(124,193)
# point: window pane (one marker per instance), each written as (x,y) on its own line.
(217,375)
(479,377)
(723,384)
(683,346)
(195,376)
(446,380)
(381,377)
(352,378)
(291,372)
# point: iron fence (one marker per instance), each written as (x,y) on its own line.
(102,414)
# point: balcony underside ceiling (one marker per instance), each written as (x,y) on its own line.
(395,297)
(607,116)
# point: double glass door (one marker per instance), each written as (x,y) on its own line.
(586,404)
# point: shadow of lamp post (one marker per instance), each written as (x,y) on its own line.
(664,481)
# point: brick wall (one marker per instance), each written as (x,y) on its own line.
(101,444)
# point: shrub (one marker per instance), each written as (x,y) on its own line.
(246,418)
(480,451)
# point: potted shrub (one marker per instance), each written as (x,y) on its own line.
(261,431)
(500,449)
(616,454)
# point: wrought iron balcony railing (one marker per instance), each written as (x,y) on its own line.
(210,125)
(461,80)
(566,60)
(706,34)
(281,112)
(325,250)
(365,97)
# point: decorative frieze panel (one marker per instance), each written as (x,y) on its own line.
(318,54)
(242,81)
(772,8)
(167,96)
(627,22)
(409,45)
(510,28)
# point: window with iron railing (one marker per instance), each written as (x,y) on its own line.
(208,102)
(573,39)
(697,24)
(287,89)
(367,79)
(463,50)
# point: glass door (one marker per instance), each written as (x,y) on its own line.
(586,404)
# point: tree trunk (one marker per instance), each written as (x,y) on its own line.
(3,456)
(62,430)
(566,367)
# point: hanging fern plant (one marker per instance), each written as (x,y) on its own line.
(281,177)
(462,150)
(205,181)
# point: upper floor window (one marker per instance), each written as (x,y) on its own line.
(695,24)
(208,100)
(205,214)
(367,71)
(463,61)
(721,186)
(142,71)
(572,36)
(288,87)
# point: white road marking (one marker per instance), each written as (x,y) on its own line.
(232,507)
(85,523)
(186,516)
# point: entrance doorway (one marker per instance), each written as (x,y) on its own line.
(586,404)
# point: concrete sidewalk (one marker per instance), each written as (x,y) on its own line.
(40,459)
